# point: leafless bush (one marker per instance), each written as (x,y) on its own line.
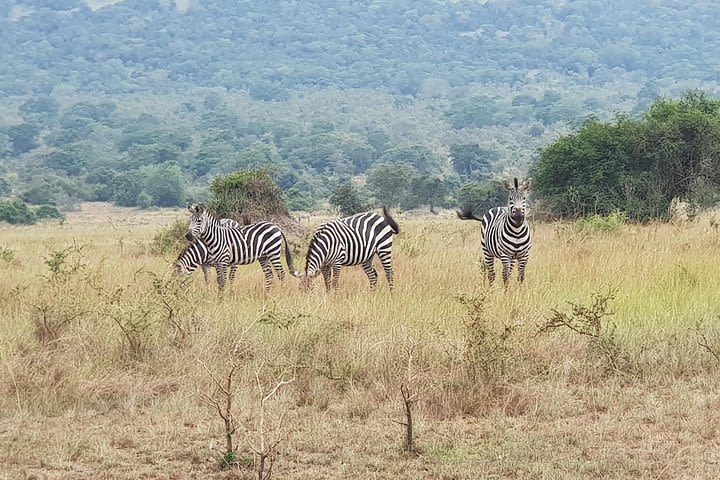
(590,321)
(708,342)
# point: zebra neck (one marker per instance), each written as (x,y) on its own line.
(513,225)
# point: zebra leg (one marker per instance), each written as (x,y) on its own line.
(206,273)
(490,267)
(371,273)
(326,273)
(522,262)
(221,272)
(277,266)
(267,270)
(336,275)
(233,270)
(507,269)
(386,260)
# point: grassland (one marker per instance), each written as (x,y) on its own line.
(109,361)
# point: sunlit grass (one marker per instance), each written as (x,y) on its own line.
(349,350)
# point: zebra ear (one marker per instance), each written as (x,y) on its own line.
(508,185)
(527,184)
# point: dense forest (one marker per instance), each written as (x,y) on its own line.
(414,103)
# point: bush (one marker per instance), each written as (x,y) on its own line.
(16,212)
(50,212)
(600,223)
(479,198)
(346,200)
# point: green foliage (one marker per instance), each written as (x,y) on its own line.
(7,254)
(636,167)
(601,223)
(347,201)
(469,158)
(481,197)
(23,137)
(252,193)
(48,212)
(390,183)
(16,212)
(170,240)
(164,185)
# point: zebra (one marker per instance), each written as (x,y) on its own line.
(351,241)
(227,246)
(197,255)
(505,232)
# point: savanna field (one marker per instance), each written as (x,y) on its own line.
(604,364)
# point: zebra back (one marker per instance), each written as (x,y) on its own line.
(350,240)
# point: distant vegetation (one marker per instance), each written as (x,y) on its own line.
(415,104)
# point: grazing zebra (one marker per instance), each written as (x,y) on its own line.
(228,246)
(197,255)
(505,232)
(351,241)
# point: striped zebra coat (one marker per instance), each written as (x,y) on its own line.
(197,255)
(227,246)
(506,233)
(350,241)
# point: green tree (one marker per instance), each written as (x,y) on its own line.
(23,137)
(16,211)
(590,171)
(390,183)
(469,158)
(481,197)
(680,138)
(165,184)
(346,199)
(420,157)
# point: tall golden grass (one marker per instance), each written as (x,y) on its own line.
(108,370)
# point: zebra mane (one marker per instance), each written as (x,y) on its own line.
(517,186)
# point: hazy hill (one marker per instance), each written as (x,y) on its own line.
(328,87)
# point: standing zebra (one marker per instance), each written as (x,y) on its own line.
(505,232)
(197,255)
(228,246)
(351,241)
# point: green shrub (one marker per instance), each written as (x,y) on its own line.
(44,212)
(16,212)
(601,223)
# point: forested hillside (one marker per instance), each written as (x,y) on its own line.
(142,102)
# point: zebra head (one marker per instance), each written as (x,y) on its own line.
(200,218)
(517,199)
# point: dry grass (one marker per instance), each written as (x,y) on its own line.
(105,370)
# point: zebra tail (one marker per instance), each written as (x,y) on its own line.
(390,220)
(466,213)
(288,258)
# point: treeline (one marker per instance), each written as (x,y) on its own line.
(85,151)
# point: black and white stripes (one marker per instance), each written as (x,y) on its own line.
(228,246)
(348,241)
(506,233)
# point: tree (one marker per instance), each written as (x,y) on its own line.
(251,194)
(430,190)
(419,157)
(390,183)
(590,171)
(23,137)
(16,212)
(469,158)
(346,200)
(681,139)
(481,197)
(165,184)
